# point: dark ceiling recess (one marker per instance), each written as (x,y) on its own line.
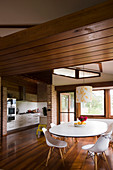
(18,26)
(43,76)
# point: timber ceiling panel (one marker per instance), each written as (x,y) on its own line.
(80,38)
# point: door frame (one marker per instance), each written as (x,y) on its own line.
(58,104)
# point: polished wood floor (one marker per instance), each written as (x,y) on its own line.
(23,151)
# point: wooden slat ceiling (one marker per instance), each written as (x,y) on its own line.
(80,38)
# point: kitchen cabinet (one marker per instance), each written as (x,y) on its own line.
(24,121)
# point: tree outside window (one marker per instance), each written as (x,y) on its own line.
(96,107)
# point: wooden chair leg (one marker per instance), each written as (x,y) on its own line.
(85,159)
(61,156)
(104,155)
(95,160)
(48,157)
(64,150)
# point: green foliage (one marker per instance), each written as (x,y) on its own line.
(96,107)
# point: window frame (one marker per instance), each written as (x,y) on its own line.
(110,116)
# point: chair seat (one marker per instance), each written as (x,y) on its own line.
(87,147)
(57,143)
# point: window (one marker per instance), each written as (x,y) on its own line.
(111,101)
(96,107)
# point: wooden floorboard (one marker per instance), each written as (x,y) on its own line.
(23,151)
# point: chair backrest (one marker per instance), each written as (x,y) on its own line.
(44,130)
(52,125)
(110,129)
(49,139)
(102,143)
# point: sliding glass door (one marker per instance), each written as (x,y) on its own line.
(67,107)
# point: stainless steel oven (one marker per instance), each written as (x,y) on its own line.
(11,109)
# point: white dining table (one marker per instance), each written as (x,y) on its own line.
(90,129)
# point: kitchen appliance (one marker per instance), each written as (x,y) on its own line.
(11,109)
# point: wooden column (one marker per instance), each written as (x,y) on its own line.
(78,110)
(0,117)
(107,103)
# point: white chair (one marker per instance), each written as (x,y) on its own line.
(99,147)
(110,128)
(54,143)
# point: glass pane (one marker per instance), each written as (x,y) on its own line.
(66,117)
(111,100)
(71,102)
(63,117)
(71,117)
(96,107)
(87,74)
(64,102)
(65,72)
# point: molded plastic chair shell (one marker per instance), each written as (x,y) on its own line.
(52,142)
(52,125)
(101,145)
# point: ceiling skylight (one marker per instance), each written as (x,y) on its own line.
(65,72)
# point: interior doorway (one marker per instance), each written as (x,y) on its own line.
(67,107)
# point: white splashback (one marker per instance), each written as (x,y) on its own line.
(23,106)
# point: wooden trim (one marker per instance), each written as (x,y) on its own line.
(100,67)
(107,103)
(58,108)
(73,87)
(78,110)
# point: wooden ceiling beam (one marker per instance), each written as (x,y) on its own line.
(79,38)
(80,42)
(78,19)
(72,61)
(46,57)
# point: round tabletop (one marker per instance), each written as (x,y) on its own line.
(91,128)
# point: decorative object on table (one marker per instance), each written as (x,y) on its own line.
(82,118)
(81,121)
(44,111)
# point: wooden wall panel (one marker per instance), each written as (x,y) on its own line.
(13,83)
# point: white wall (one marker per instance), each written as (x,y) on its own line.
(23,106)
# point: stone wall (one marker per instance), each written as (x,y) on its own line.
(51,105)
(4,111)
(42,92)
(54,105)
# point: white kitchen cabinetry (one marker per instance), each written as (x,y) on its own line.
(23,121)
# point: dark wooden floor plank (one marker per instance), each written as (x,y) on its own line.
(23,151)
